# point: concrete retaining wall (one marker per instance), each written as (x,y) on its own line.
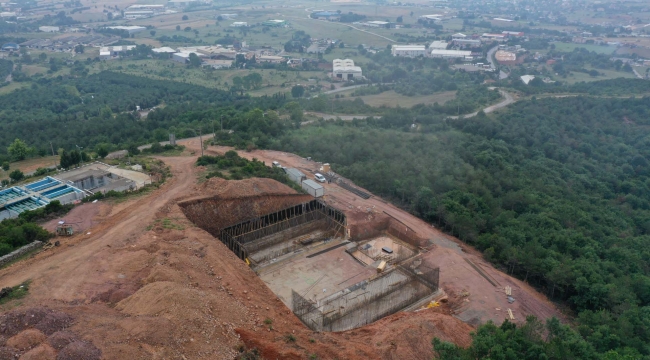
(4,260)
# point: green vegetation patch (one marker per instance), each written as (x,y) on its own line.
(14,293)
(233,167)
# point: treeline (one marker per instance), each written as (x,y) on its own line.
(555,192)
(610,87)
(15,233)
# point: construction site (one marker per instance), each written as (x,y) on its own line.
(217,268)
(331,277)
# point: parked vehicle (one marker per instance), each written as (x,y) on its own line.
(320,178)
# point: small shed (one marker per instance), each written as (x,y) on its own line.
(313,188)
(296,175)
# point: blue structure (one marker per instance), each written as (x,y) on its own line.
(34,195)
(10,47)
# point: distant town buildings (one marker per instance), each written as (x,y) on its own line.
(345,69)
(239,24)
(109,52)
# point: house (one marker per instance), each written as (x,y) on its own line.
(458,36)
(513,33)
(239,24)
(164,51)
(408,50)
(345,70)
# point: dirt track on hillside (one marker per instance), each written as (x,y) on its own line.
(148,284)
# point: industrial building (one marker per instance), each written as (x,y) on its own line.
(138,14)
(110,52)
(274,23)
(129,29)
(408,50)
(438,45)
(239,24)
(18,199)
(378,24)
(451,54)
(505,57)
(493,37)
(466,42)
(345,69)
(49,29)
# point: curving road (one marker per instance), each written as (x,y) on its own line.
(509,99)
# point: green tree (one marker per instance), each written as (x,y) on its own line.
(184,17)
(18,150)
(102,151)
(297,91)
(152,32)
(195,61)
(5,166)
(16,175)
(79,49)
(178,28)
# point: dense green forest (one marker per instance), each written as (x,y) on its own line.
(554,191)
(100,109)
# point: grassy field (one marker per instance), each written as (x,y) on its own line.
(393,99)
(29,165)
(607,74)
(13,86)
(569,47)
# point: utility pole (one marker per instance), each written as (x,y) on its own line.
(201,140)
(52,147)
(80,156)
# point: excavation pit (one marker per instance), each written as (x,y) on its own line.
(299,247)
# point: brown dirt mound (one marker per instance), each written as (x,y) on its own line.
(41,352)
(229,202)
(231,189)
(61,339)
(8,353)
(27,339)
(79,350)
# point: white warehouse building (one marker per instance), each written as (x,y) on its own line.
(345,69)
(454,54)
(408,50)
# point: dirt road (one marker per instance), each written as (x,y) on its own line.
(509,99)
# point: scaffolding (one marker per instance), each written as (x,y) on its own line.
(242,238)
(368,300)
